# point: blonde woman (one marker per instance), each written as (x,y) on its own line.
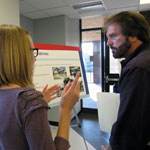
(23,110)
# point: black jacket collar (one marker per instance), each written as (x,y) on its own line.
(140,49)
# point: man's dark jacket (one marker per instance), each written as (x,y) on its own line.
(131,131)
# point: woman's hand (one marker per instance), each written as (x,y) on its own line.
(69,98)
(106,148)
(50,93)
(70,95)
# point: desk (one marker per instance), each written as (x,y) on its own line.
(75,140)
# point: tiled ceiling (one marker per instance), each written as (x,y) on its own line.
(36,9)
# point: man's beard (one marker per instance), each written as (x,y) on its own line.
(122,50)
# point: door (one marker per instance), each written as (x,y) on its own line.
(91,52)
(110,67)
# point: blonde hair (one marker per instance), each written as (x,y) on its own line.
(16,63)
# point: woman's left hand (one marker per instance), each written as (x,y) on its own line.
(50,93)
(106,148)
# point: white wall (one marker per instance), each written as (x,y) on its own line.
(59,30)
(27,24)
(9,12)
(50,30)
(72,32)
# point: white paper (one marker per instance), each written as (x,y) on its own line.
(108,105)
(54,66)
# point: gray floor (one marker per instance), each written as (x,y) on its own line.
(89,103)
(90,127)
(91,130)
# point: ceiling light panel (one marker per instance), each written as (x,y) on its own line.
(144,1)
(88,5)
(75,2)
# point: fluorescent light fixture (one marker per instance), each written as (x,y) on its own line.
(92,4)
(144,2)
(92,7)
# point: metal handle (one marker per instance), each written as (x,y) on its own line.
(110,79)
